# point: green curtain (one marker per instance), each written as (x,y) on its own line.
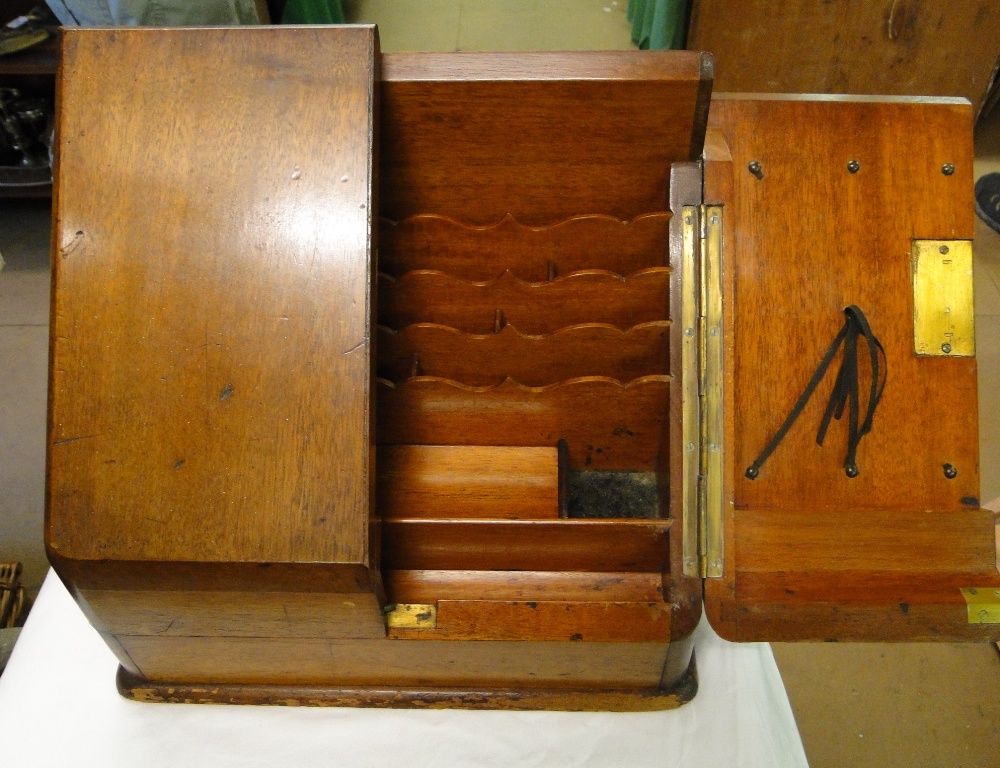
(313,12)
(658,24)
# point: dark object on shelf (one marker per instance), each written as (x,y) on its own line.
(25,139)
(26,31)
(613,494)
(988,200)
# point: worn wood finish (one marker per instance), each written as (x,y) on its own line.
(247,613)
(903,47)
(196,345)
(426,586)
(791,539)
(468,697)
(469,481)
(540,620)
(530,253)
(607,424)
(612,546)
(803,515)
(595,296)
(793,226)
(594,349)
(552,135)
(290,615)
(398,664)
(210,388)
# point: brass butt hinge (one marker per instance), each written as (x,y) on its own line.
(701,394)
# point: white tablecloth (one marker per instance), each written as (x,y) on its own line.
(59,707)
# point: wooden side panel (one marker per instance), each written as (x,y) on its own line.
(395,664)
(211,313)
(531,253)
(550,135)
(593,349)
(800,248)
(867,46)
(204,613)
(607,424)
(596,296)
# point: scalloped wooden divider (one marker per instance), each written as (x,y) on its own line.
(608,425)
(592,349)
(595,296)
(441,243)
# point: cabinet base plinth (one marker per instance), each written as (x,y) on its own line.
(571,700)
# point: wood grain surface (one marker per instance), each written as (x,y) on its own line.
(530,253)
(903,47)
(212,461)
(607,424)
(428,585)
(211,324)
(423,697)
(811,244)
(801,247)
(596,296)
(594,349)
(396,664)
(467,481)
(210,317)
(552,135)
(612,546)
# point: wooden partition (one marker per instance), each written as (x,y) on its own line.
(526,295)
(525,273)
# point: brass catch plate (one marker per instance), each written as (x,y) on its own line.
(411,616)
(983,604)
(943,317)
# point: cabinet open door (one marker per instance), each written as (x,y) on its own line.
(828,203)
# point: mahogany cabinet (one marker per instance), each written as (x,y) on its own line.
(435,379)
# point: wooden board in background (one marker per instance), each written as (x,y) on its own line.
(897,47)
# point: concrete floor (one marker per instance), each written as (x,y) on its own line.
(856,705)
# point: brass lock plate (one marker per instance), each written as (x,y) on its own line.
(943,317)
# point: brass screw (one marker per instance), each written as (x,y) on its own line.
(948,169)
(854,166)
(946,348)
(950,472)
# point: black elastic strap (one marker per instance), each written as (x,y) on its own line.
(846,391)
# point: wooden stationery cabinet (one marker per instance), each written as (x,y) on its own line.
(435,379)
